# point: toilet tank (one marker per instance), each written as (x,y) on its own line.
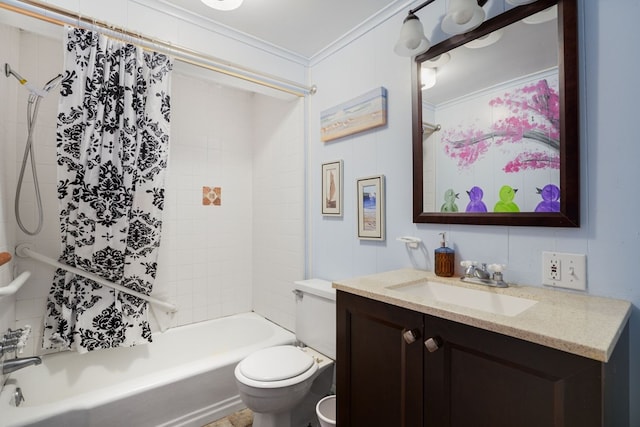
(316,315)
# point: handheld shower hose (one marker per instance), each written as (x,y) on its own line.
(33,105)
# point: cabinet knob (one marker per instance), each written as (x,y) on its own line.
(410,336)
(433,344)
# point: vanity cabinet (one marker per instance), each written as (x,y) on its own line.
(465,376)
(378,373)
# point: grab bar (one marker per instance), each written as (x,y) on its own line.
(24,250)
(15,284)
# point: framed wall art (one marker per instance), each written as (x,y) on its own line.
(332,188)
(371,216)
(365,112)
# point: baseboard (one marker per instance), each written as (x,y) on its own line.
(207,414)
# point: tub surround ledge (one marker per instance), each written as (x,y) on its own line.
(572,322)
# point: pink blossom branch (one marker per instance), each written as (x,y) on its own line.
(471,144)
(529,134)
(532,160)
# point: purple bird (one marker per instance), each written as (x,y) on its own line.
(475,200)
(550,199)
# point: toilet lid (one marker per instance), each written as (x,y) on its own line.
(276,363)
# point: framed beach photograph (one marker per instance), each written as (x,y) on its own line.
(332,188)
(365,112)
(371,208)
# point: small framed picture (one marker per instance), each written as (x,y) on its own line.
(371,208)
(332,188)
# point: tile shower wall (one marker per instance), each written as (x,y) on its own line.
(8,114)
(207,256)
(278,219)
(205,263)
(37,59)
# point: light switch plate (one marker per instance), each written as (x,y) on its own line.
(563,270)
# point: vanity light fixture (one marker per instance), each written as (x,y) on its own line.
(223,4)
(463,16)
(412,40)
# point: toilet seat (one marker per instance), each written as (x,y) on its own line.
(274,367)
(276,363)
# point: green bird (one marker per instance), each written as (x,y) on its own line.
(506,203)
(449,204)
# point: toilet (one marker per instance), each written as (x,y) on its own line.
(283,384)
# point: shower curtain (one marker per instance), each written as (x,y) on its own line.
(112,146)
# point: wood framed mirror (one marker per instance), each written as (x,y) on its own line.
(496,139)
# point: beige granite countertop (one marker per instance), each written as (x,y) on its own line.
(576,323)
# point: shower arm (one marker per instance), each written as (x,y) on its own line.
(8,72)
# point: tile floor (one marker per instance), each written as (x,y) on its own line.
(242,418)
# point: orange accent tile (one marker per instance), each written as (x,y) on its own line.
(211,196)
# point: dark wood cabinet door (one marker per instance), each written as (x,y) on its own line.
(480,378)
(378,373)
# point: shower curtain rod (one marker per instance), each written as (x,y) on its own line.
(24,250)
(63,17)
(431,127)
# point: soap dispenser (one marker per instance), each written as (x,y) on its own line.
(444,264)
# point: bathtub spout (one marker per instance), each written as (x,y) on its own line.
(12,365)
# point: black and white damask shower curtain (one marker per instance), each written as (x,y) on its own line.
(112,143)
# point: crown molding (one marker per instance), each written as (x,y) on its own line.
(374,21)
(221,29)
(363,28)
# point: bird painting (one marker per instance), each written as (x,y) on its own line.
(475,200)
(550,194)
(506,203)
(449,204)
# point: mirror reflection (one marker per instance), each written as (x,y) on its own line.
(491,122)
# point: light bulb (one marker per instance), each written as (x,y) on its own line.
(461,17)
(223,4)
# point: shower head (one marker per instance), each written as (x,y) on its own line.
(51,84)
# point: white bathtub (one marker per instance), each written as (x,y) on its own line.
(184,378)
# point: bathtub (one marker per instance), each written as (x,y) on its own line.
(184,378)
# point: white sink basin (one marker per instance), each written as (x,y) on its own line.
(489,302)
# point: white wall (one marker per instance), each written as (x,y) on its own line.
(278,208)
(610,231)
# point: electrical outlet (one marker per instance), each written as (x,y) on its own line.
(553,269)
(564,270)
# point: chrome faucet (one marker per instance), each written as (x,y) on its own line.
(482,276)
(481,273)
(12,365)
